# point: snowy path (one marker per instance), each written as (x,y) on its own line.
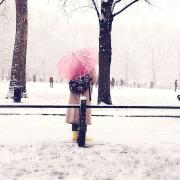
(124,148)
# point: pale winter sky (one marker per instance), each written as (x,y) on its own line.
(51,35)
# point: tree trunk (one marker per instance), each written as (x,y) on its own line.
(18,69)
(105,53)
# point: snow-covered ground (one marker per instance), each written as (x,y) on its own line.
(39,147)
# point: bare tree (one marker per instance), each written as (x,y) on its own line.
(105,10)
(18,69)
(106,13)
(157,53)
(106,16)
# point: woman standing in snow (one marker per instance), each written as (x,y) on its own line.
(79,68)
(72,115)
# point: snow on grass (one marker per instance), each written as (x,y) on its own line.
(34,147)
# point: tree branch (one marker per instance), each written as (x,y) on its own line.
(113,6)
(80,8)
(148,2)
(130,4)
(95,6)
(64,3)
(2,1)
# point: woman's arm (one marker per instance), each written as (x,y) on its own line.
(93,76)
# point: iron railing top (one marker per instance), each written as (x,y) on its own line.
(37,106)
(89,106)
(134,106)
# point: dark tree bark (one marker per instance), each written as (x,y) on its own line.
(18,69)
(105,51)
(106,17)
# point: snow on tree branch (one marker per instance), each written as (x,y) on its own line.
(148,2)
(1,1)
(113,5)
(95,6)
(75,9)
(131,3)
(128,5)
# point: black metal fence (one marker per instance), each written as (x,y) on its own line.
(82,112)
(39,106)
(88,106)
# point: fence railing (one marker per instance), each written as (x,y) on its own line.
(82,112)
(88,106)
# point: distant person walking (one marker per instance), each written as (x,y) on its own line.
(121,82)
(34,78)
(175,85)
(112,82)
(51,81)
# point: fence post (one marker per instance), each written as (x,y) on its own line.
(82,122)
(17,93)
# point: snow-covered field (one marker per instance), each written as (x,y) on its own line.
(39,147)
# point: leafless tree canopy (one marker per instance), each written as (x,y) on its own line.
(106,12)
(114,3)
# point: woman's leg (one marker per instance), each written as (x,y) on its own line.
(74,130)
(75,127)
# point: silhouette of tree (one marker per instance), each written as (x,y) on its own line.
(106,16)
(18,69)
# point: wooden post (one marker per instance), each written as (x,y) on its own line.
(82,122)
